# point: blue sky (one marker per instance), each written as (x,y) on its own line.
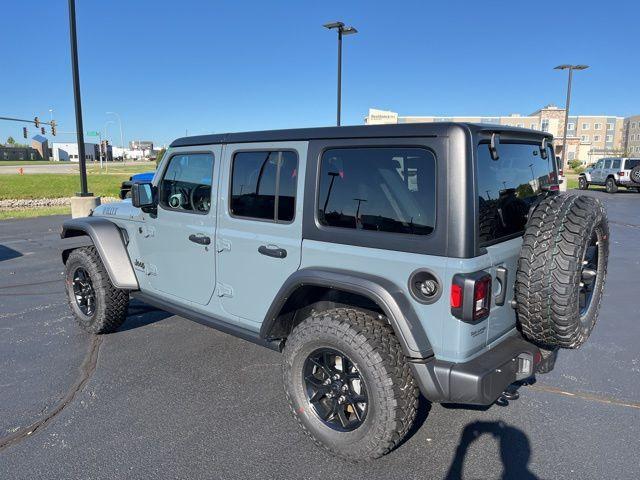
(213,66)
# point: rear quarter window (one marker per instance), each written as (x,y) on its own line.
(631,163)
(382,189)
(508,187)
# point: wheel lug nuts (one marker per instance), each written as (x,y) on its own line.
(345,388)
(341,399)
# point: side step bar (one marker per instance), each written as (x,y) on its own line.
(208,321)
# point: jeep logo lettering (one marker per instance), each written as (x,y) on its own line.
(138,264)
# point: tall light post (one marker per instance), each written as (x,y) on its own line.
(342,30)
(121,136)
(571,68)
(78,104)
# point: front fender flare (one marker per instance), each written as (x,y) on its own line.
(109,243)
(388,296)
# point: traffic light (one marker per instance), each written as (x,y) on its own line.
(42,130)
(53,128)
(37,122)
(24,132)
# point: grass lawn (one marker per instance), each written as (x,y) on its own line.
(102,182)
(57,185)
(18,163)
(34,212)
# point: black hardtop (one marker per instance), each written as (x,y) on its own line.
(429,129)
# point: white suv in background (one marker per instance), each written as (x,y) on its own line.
(612,173)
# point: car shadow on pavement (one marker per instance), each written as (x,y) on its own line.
(7,253)
(141,314)
(515,450)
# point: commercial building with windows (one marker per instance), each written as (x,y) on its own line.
(589,137)
(632,135)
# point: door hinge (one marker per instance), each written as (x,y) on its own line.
(223,244)
(147,231)
(223,290)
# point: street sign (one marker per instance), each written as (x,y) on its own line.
(93,133)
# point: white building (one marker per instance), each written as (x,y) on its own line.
(68,152)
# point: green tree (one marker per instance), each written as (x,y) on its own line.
(160,155)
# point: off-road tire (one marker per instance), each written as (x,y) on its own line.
(634,174)
(610,185)
(111,303)
(549,270)
(582,183)
(370,343)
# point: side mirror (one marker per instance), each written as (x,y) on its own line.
(142,196)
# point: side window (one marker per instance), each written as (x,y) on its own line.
(380,189)
(616,164)
(263,185)
(599,164)
(607,164)
(186,183)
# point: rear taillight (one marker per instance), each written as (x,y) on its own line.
(482,297)
(471,296)
(561,172)
(456,296)
(621,174)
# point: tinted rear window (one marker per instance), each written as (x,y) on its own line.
(263,185)
(380,189)
(631,163)
(507,188)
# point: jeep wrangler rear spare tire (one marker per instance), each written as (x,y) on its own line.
(348,383)
(98,306)
(635,174)
(562,271)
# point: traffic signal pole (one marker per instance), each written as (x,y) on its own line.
(76,94)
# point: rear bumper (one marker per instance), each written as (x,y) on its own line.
(481,380)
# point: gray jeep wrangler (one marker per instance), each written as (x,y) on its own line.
(382,261)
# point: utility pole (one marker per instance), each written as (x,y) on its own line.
(78,105)
(571,68)
(342,30)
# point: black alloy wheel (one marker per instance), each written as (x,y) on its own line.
(589,275)
(335,389)
(83,291)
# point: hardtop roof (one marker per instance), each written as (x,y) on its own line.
(430,129)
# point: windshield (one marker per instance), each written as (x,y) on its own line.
(509,186)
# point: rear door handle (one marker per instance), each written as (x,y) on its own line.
(201,239)
(501,275)
(272,251)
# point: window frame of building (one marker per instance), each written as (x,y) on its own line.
(276,201)
(608,138)
(634,125)
(597,126)
(571,126)
(596,138)
(610,127)
(586,126)
(584,138)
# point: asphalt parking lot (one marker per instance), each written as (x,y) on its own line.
(167,398)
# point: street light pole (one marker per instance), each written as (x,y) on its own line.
(121,136)
(342,30)
(571,68)
(78,105)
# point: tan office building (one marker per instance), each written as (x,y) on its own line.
(589,137)
(632,135)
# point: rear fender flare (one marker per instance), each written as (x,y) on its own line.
(384,293)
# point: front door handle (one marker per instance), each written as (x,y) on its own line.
(501,276)
(272,251)
(201,239)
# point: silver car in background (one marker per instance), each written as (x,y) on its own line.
(612,173)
